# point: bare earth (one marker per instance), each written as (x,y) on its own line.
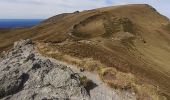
(101,91)
(128,45)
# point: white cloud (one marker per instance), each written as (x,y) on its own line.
(44,8)
(48,8)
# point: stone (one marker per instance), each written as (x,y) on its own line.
(25,75)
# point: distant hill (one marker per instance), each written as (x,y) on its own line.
(131,38)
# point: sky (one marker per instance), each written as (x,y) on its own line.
(42,9)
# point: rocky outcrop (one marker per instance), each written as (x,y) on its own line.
(26,75)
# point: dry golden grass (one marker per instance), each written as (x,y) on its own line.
(146,55)
(127,82)
(114,78)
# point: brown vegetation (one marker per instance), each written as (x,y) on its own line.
(133,39)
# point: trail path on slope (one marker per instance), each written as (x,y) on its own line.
(25,74)
(101,91)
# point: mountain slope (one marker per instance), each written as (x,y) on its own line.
(131,38)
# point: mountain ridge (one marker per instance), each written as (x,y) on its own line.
(131,38)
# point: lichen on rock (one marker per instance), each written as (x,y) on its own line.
(25,75)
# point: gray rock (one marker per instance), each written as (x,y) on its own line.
(21,43)
(26,75)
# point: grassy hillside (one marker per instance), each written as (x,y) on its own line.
(131,38)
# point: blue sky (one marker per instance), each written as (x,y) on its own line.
(28,9)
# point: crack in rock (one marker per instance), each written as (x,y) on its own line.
(25,75)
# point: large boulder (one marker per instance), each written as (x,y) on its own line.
(25,75)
